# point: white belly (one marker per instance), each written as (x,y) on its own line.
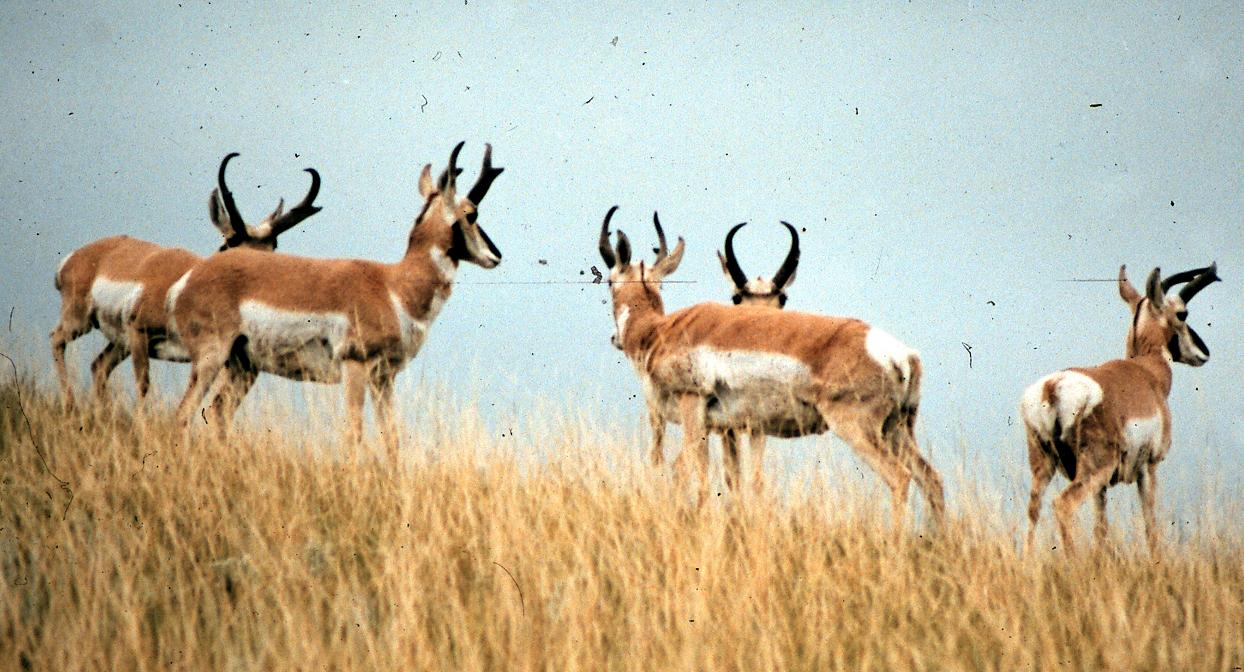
(302,346)
(114,302)
(758,390)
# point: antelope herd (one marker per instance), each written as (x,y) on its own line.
(749,370)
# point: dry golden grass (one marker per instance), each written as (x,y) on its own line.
(273,553)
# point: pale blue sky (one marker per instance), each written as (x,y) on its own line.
(946,162)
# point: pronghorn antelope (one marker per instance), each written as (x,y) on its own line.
(1110,423)
(758,292)
(713,366)
(329,320)
(118,285)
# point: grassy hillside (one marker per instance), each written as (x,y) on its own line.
(123,547)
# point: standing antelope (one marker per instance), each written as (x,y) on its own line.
(1110,423)
(758,292)
(787,373)
(119,284)
(330,320)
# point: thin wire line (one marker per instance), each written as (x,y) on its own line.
(571,282)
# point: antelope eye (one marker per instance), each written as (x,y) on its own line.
(737,299)
(1182,315)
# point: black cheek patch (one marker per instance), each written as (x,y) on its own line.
(1172,346)
(782,300)
(488,241)
(737,299)
(458,249)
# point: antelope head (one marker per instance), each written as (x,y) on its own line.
(635,287)
(1159,321)
(760,291)
(262,236)
(442,209)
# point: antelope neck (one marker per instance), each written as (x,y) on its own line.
(644,308)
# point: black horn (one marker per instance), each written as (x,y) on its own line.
(732,263)
(1184,276)
(792,259)
(1200,282)
(452,171)
(231,209)
(299,212)
(606,249)
(486,175)
(663,249)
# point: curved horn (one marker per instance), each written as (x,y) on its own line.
(301,211)
(732,263)
(1201,282)
(624,249)
(662,250)
(792,259)
(486,175)
(231,209)
(1183,276)
(606,249)
(452,171)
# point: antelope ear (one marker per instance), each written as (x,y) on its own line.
(426,186)
(1154,291)
(670,264)
(220,218)
(725,268)
(1126,291)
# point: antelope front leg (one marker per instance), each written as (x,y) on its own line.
(756,446)
(142,366)
(203,371)
(657,454)
(355,379)
(730,459)
(1146,486)
(695,440)
(1102,528)
(238,380)
(102,367)
(65,333)
(382,397)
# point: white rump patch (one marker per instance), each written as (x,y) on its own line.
(60,268)
(114,302)
(302,346)
(1075,395)
(892,355)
